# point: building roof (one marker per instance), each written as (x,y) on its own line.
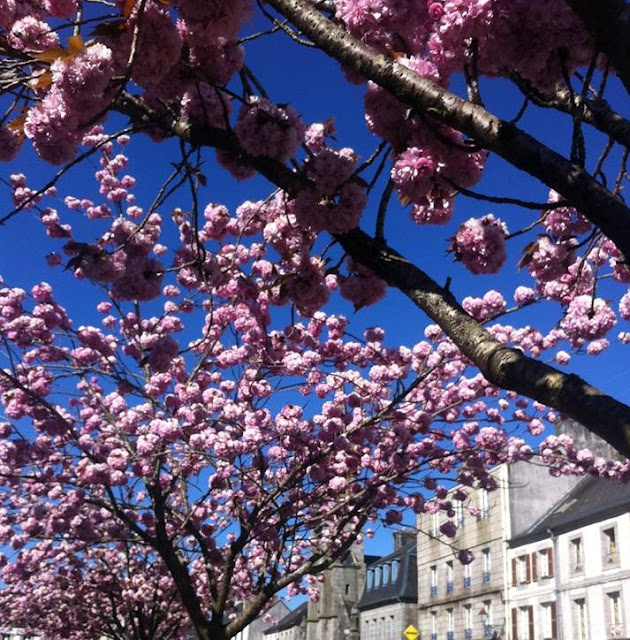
(292,619)
(592,499)
(405,586)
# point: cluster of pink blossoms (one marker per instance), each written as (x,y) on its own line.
(480,244)
(73,101)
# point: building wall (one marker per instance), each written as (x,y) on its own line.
(331,618)
(388,622)
(293,633)
(453,602)
(255,629)
(475,604)
(587,597)
(593,581)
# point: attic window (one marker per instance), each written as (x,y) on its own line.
(385,574)
(394,570)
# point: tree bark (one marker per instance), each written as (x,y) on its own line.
(503,138)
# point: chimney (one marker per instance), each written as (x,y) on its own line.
(403,538)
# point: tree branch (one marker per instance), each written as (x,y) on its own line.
(502,137)
(608,22)
(502,366)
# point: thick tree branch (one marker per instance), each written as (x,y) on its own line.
(503,366)
(608,22)
(502,137)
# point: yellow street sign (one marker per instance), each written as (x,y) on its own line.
(411,633)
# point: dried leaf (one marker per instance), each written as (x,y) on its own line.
(75,45)
(43,81)
(50,55)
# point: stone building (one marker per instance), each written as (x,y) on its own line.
(389,603)
(291,627)
(256,628)
(334,616)
(458,602)
(570,571)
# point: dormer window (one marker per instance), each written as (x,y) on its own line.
(394,571)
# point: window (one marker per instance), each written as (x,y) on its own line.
(433,625)
(485,554)
(579,620)
(370,579)
(548,620)
(484,504)
(577,560)
(526,630)
(392,628)
(467,579)
(436,525)
(521,570)
(450,618)
(609,547)
(545,563)
(381,627)
(486,618)
(394,570)
(468,621)
(613,615)
(377,577)
(434,580)
(385,574)
(523,623)
(459,514)
(449,576)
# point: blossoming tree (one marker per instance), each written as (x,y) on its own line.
(219,434)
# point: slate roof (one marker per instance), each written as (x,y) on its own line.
(403,589)
(592,499)
(292,619)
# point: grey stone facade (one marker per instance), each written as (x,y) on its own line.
(389,601)
(461,602)
(334,615)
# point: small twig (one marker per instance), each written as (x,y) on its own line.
(382,210)
(382,145)
(60,173)
(506,199)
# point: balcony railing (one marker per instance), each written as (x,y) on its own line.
(449,587)
(486,576)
